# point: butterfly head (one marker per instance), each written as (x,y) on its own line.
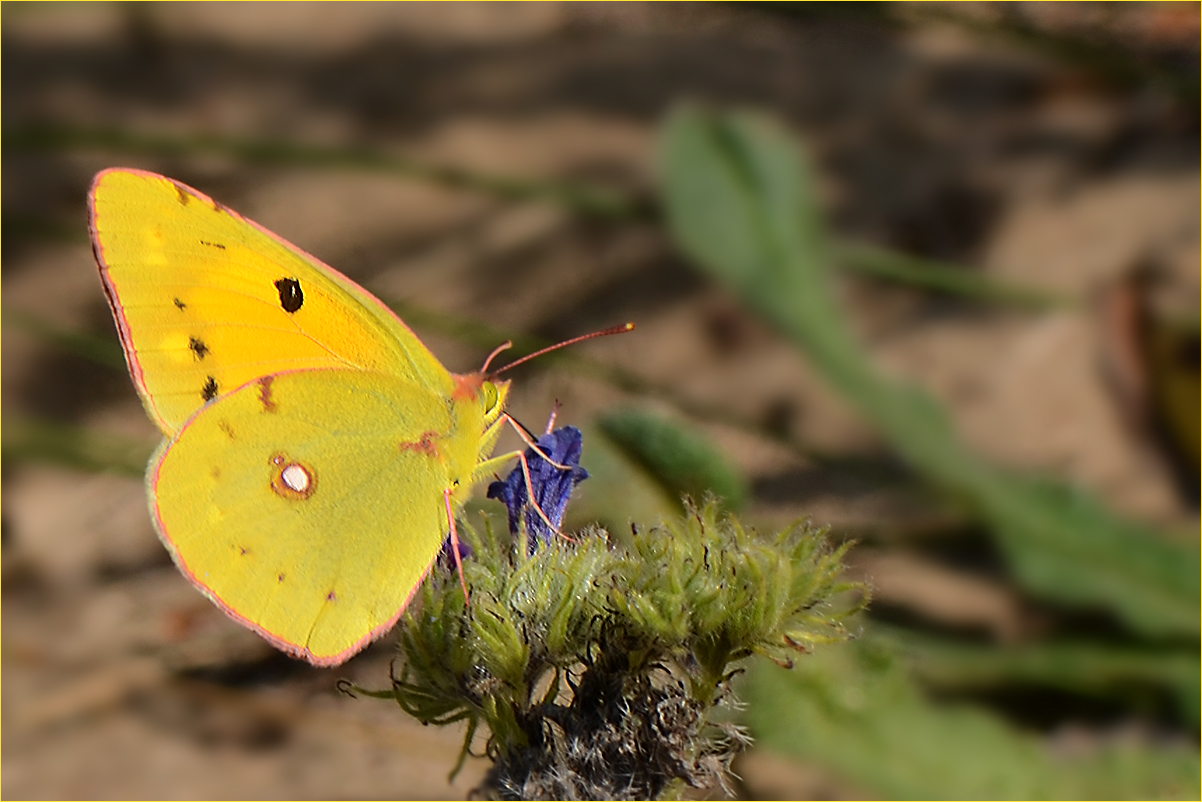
(486,395)
(485,391)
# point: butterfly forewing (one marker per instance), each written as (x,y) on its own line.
(206,300)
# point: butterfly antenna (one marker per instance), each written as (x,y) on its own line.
(505,346)
(625,327)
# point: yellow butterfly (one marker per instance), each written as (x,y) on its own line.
(315,449)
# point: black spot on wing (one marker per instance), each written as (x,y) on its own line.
(183,196)
(199,349)
(291,297)
(209,391)
(217,245)
(180,305)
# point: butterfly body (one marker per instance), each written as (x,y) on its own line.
(314,446)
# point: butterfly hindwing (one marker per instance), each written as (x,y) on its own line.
(309,505)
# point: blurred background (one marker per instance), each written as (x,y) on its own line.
(1010,193)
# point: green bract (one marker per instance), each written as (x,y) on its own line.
(597,664)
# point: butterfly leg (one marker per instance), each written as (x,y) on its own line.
(529,440)
(446,497)
(533,501)
(489,464)
(554,415)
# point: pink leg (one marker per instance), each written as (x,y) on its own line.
(446,496)
(533,502)
(528,439)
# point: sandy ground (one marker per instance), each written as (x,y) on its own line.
(120,681)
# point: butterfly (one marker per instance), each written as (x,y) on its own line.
(315,451)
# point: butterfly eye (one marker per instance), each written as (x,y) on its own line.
(489,396)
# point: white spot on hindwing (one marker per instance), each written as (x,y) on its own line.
(292,479)
(296,478)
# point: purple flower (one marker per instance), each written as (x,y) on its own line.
(446,557)
(552,486)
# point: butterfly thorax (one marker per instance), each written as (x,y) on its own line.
(477,405)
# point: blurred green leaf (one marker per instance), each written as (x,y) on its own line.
(857,712)
(40,228)
(1125,61)
(614,474)
(740,203)
(939,276)
(101,350)
(27,440)
(583,199)
(682,460)
(1104,670)
(590,200)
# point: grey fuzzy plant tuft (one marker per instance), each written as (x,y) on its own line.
(601,665)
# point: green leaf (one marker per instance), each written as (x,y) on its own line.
(940,277)
(615,475)
(856,712)
(1105,670)
(683,461)
(74,447)
(103,350)
(741,203)
(55,137)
